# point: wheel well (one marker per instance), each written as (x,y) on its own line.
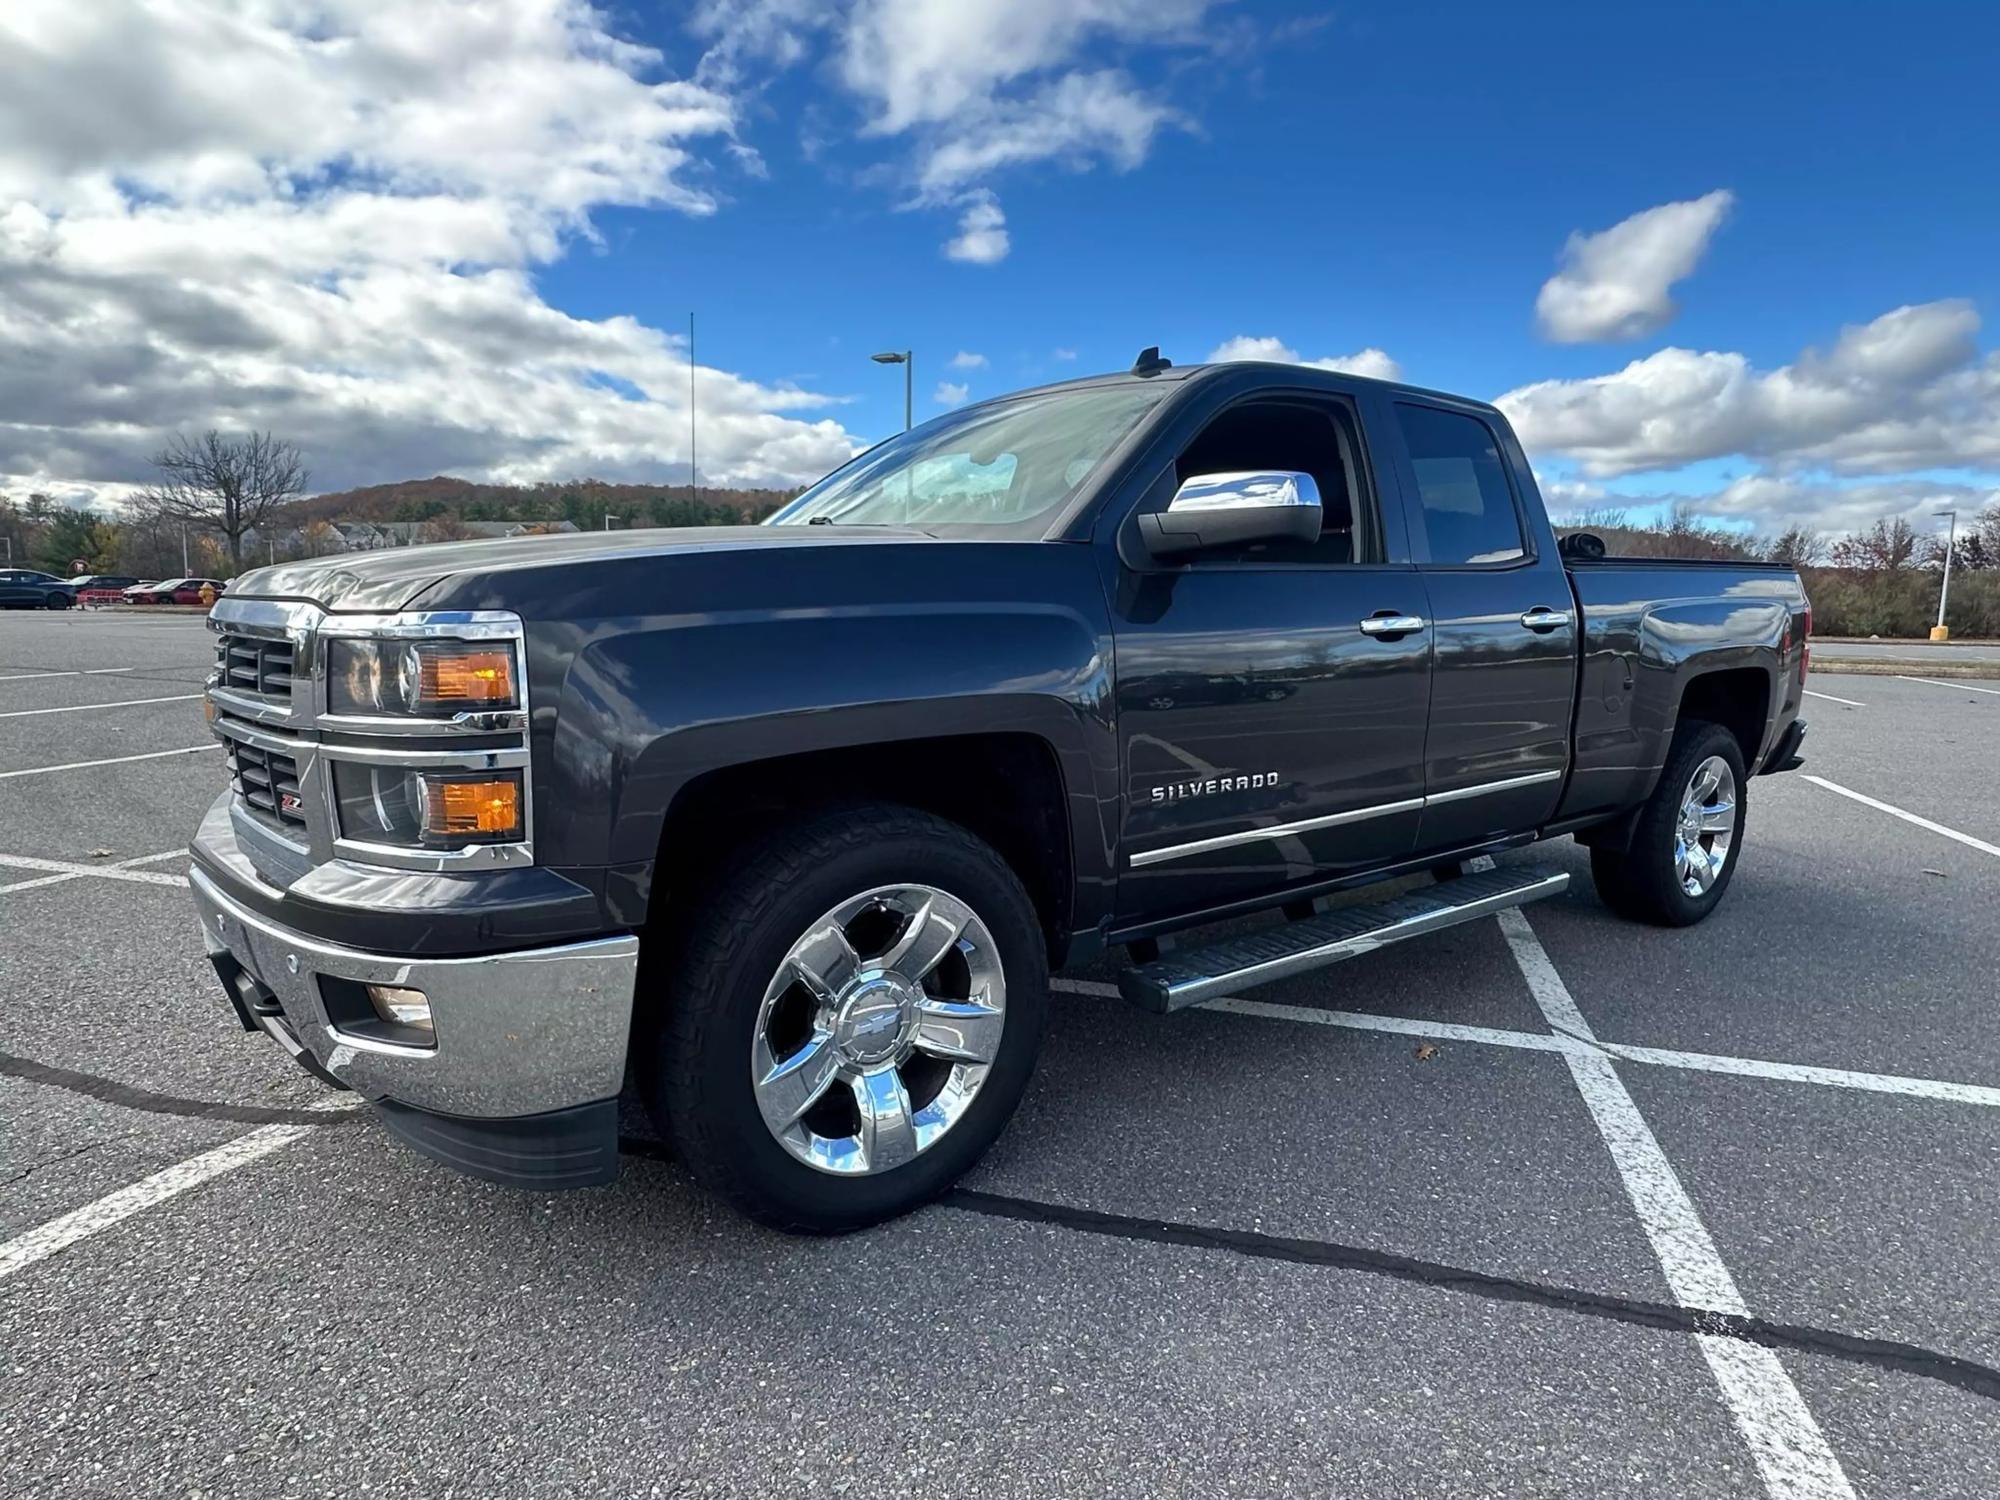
(1006,788)
(1738,699)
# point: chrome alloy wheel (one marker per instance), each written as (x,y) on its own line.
(878,1029)
(1707,826)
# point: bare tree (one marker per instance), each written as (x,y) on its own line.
(1886,547)
(1797,546)
(231,485)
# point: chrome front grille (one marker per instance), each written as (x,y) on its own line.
(260,665)
(267,781)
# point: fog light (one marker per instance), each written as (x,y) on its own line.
(399,1006)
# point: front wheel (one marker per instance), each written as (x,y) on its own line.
(57,599)
(847,1019)
(1687,837)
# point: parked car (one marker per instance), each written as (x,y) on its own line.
(117,581)
(28,588)
(144,585)
(797,818)
(173,591)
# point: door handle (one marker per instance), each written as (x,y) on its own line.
(1387,624)
(1541,617)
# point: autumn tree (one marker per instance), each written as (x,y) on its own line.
(229,485)
(1885,547)
(1797,546)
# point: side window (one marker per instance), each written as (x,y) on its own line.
(1306,437)
(1466,504)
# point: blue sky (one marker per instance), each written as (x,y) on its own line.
(537,216)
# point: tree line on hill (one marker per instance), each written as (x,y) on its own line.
(222,503)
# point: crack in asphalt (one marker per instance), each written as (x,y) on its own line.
(1881,1354)
(126,1096)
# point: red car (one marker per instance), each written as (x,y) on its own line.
(173,591)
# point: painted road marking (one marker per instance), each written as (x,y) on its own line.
(1908,817)
(1936,1090)
(113,760)
(77,708)
(106,872)
(1831,699)
(86,672)
(58,1234)
(1790,1451)
(1934,682)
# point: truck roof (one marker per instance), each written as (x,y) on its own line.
(1277,371)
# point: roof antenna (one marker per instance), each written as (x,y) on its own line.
(1149,361)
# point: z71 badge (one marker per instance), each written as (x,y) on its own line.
(1177,791)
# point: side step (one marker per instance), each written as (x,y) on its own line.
(1197,974)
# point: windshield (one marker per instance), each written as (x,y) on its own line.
(1001,468)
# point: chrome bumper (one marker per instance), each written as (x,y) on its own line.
(518,1033)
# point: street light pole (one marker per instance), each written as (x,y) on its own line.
(908,361)
(1943,631)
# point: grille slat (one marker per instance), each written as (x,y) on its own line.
(264,779)
(258,665)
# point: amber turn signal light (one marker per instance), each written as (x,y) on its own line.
(451,679)
(472,809)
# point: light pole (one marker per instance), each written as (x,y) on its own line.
(1943,631)
(908,361)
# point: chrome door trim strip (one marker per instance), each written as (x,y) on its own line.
(1254,835)
(1333,820)
(1459,794)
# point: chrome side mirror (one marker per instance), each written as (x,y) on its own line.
(1227,510)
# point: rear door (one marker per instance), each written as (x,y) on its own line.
(1503,628)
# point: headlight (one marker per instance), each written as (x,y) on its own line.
(427,809)
(426,678)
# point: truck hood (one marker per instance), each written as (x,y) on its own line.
(394,577)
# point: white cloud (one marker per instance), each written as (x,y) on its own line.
(951,393)
(1067,356)
(324,220)
(1906,391)
(982,233)
(1371,362)
(1615,284)
(1768,503)
(965,360)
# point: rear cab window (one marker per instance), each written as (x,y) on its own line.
(1465,504)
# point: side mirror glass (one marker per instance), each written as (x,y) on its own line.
(1211,511)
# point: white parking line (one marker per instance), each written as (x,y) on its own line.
(57,1234)
(1908,817)
(1935,1090)
(120,871)
(1790,1451)
(110,760)
(1831,699)
(77,708)
(1934,682)
(85,672)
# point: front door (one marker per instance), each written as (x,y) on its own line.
(1268,738)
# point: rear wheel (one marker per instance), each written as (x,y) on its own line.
(57,599)
(847,1020)
(1687,837)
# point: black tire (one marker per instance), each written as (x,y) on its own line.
(1639,881)
(57,599)
(702,993)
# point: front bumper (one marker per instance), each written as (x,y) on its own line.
(530,1044)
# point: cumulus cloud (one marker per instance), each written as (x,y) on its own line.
(1906,391)
(1769,503)
(966,360)
(1371,362)
(974,87)
(982,233)
(1615,284)
(325,222)
(951,393)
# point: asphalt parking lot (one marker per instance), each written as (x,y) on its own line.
(1552,1206)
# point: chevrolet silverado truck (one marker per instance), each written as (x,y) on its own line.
(784,827)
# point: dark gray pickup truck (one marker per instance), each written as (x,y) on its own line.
(784,827)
